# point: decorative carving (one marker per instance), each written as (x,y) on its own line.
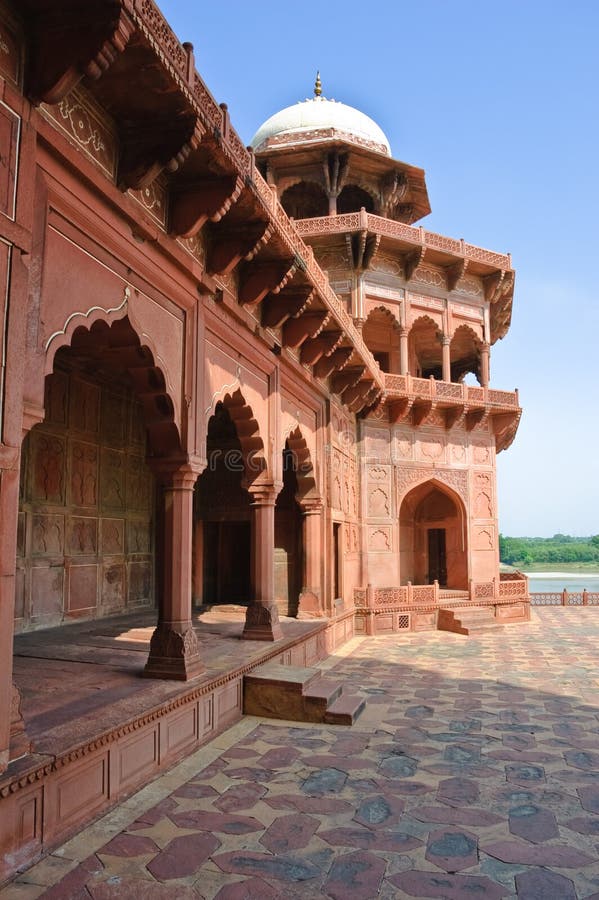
(429,276)
(78,118)
(48,468)
(432,448)
(408,477)
(153,198)
(82,535)
(378,503)
(482,506)
(379,539)
(481,454)
(378,473)
(47,535)
(84,474)
(485,539)
(262,622)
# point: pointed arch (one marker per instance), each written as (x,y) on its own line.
(465,349)
(433,535)
(424,347)
(305,200)
(248,433)
(353,198)
(381,335)
(302,464)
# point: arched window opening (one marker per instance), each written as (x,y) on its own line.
(381,336)
(465,355)
(305,200)
(352,198)
(425,349)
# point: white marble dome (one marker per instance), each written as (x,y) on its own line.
(317,119)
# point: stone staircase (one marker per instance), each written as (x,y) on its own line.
(468,620)
(298,694)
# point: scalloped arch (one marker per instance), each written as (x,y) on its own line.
(113,342)
(302,465)
(453,491)
(248,431)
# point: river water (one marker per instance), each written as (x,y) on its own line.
(541,582)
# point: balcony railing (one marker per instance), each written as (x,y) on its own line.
(445,391)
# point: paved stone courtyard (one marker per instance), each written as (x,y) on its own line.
(473,772)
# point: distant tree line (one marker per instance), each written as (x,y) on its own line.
(561,548)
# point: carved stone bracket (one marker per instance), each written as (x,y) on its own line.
(231,243)
(209,198)
(411,261)
(71,40)
(308,325)
(326,343)
(261,278)
(347,379)
(420,410)
(335,362)
(455,415)
(455,272)
(277,308)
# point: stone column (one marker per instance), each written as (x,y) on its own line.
(198,562)
(310,601)
(174,648)
(446,345)
(332,204)
(262,617)
(13,740)
(484,365)
(403,351)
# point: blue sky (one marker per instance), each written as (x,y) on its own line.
(499,103)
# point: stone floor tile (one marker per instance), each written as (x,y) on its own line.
(355,876)
(452,849)
(541,884)
(449,887)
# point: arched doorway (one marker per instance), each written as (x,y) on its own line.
(433,543)
(222,518)
(87,513)
(424,349)
(381,336)
(288,539)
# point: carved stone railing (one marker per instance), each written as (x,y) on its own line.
(409,233)
(431,389)
(564,598)
(507,589)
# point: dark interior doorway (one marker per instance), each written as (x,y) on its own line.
(222,512)
(437,556)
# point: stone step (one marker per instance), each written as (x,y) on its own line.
(345,710)
(466,620)
(298,694)
(323,692)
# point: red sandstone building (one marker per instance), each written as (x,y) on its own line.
(227,375)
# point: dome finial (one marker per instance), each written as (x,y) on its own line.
(317,86)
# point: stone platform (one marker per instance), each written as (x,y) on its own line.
(99,730)
(471,772)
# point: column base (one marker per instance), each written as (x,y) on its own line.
(309,606)
(20,744)
(174,654)
(262,623)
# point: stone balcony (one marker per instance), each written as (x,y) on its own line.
(461,404)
